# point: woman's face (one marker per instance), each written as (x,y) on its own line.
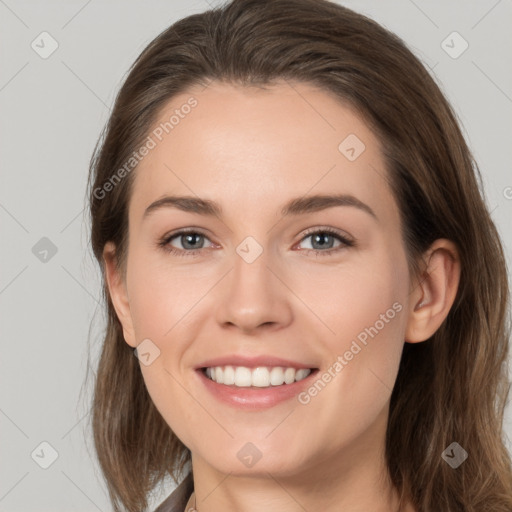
(322,286)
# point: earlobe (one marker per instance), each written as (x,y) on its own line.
(435,293)
(118,293)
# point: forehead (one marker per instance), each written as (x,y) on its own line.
(257,146)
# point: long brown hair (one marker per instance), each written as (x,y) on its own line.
(452,387)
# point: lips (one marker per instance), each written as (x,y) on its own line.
(260,394)
(254,361)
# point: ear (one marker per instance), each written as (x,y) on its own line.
(434,292)
(118,293)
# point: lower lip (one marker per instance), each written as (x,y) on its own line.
(254,397)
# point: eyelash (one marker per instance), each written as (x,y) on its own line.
(346,242)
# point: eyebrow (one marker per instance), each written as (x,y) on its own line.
(298,206)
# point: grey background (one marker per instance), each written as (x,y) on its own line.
(52,112)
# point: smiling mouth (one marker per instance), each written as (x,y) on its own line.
(258,377)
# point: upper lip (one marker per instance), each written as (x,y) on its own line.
(252,362)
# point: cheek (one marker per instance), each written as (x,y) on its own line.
(345,301)
(161,297)
(362,312)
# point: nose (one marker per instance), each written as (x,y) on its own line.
(254,296)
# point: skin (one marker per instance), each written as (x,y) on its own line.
(252,150)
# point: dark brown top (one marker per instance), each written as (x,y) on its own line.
(177,500)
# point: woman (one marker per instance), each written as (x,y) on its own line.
(295,246)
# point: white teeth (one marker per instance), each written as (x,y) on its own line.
(229,375)
(289,375)
(276,376)
(243,376)
(302,373)
(261,377)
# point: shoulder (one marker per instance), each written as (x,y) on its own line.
(177,500)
